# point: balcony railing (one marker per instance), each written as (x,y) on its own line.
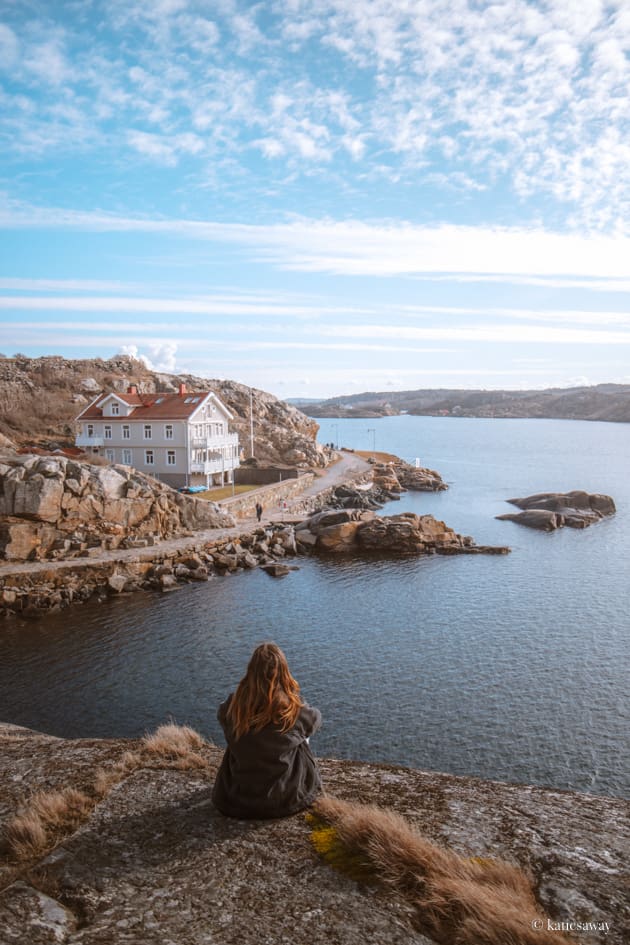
(211,466)
(84,440)
(214,442)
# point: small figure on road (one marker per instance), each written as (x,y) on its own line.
(259,511)
(268,769)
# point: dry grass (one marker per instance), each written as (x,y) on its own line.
(456,901)
(47,813)
(50,815)
(378,456)
(223,492)
(173,741)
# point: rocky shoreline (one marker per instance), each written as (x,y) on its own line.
(76,532)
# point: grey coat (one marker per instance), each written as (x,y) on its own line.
(267,773)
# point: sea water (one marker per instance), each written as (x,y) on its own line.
(512,667)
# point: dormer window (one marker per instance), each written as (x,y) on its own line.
(115,409)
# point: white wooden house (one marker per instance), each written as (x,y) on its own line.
(181,439)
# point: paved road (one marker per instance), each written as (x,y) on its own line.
(348,467)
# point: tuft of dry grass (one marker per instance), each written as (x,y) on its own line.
(47,813)
(173,741)
(455,900)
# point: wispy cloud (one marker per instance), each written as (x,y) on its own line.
(358,248)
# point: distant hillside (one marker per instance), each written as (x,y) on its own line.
(40,397)
(601,402)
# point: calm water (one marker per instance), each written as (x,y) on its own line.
(511,667)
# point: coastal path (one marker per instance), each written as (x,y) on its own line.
(348,468)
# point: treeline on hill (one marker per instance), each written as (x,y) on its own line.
(600,402)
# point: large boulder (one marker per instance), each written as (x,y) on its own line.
(38,497)
(407,534)
(542,519)
(338,538)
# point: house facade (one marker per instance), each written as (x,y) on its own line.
(181,439)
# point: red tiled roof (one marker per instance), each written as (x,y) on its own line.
(170,407)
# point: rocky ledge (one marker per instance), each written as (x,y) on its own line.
(145,859)
(362,532)
(548,511)
(53,507)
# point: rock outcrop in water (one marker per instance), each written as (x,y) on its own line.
(54,507)
(398,476)
(148,859)
(547,511)
(354,531)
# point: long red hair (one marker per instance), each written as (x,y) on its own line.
(267,693)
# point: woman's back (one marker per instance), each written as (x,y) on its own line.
(268,769)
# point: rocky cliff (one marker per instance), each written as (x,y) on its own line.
(118,842)
(52,507)
(40,397)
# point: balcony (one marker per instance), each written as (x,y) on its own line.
(214,442)
(84,440)
(210,466)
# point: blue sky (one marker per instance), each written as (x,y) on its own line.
(320,197)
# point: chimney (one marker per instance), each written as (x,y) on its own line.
(132,389)
(182,390)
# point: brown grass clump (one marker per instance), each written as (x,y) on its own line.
(176,743)
(456,901)
(47,813)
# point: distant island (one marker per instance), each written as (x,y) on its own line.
(609,402)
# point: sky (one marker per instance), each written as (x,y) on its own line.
(320,197)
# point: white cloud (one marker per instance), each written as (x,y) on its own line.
(161,357)
(356,248)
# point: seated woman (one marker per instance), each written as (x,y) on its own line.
(268,769)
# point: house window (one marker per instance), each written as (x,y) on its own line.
(170,457)
(115,409)
(199,429)
(168,431)
(148,457)
(127,457)
(109,456)
(90,429)
(126,432)
(148,431)
(108,431)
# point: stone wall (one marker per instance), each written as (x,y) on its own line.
(270,497)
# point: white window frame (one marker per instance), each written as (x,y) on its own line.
(90,429)
(126,431)
(110,456)
(126,457)
(169,432)
(149,457)
(107,431)
(115,411)
(171,458)
(147,431)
